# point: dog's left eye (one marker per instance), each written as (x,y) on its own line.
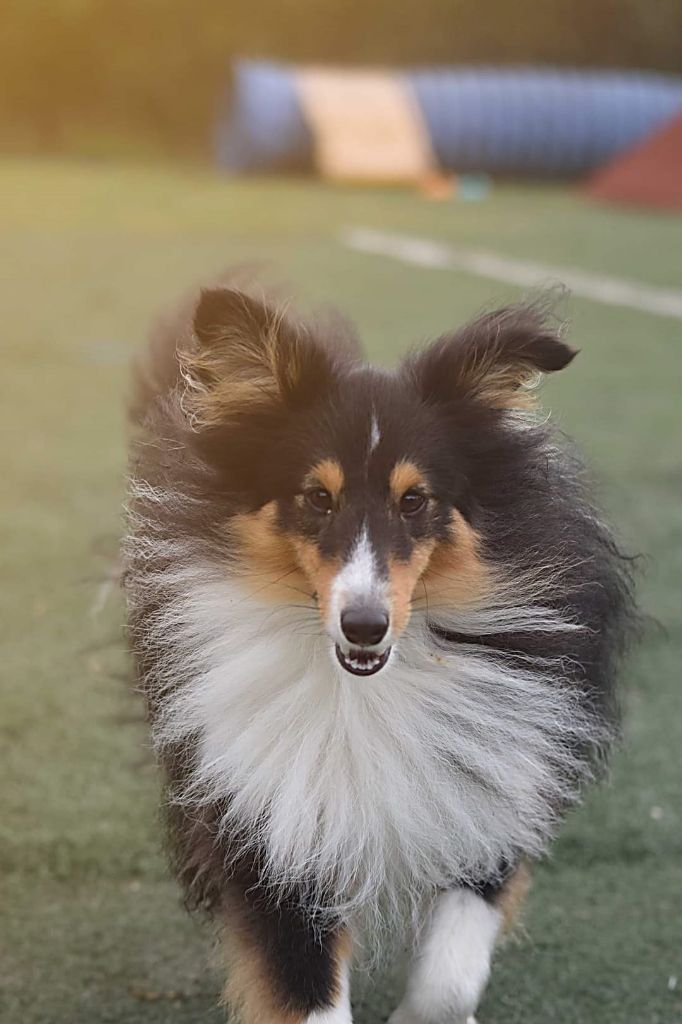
(412,502)
(320,499)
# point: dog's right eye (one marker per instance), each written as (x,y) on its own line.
(320,500)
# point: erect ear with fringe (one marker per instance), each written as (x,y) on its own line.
(493,359)
(247,357)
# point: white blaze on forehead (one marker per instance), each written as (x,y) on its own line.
(357,583)
(374,433)
(359,572)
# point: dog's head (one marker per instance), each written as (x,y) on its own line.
(361,491)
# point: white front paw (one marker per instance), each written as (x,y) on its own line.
(404,1015)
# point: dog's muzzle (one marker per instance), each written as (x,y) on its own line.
(364,628)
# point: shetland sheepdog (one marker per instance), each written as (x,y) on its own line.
(376,619)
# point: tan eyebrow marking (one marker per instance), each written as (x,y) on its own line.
(328,474)
(404,476)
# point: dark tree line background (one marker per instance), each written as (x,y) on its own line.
(98,75)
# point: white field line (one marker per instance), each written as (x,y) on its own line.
(422,252)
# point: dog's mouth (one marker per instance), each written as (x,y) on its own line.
(362,663)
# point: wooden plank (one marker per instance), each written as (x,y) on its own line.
(367,125)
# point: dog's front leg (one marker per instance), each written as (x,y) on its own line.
(282,967)
(452,962)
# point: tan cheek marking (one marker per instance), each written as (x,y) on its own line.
(267,557)
(403,578)
(452,572)
(319,572)
(329,475)
(276,565)
(456,573)
(405,475)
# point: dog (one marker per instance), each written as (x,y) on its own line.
(377,621)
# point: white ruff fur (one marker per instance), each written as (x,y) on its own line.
(373,792)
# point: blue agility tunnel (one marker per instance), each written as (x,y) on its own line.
(516,121)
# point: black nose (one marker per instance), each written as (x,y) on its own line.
(364,626)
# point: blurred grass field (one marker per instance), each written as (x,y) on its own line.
(92,928)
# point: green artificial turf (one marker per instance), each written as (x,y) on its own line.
(92,929)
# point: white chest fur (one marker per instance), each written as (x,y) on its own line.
(378,789)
